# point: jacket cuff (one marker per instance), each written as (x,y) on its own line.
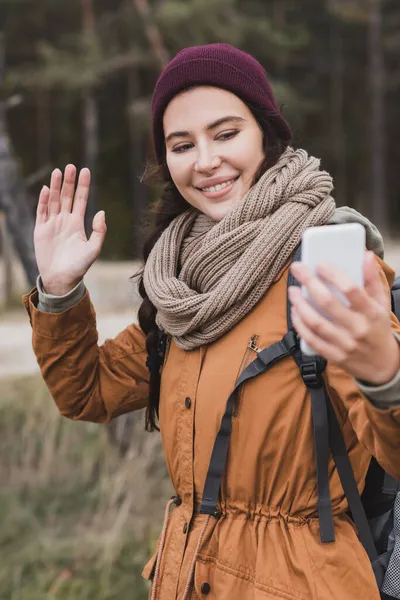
(57,304)
(386,395)
(76,318)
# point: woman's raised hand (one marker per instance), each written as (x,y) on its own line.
(63,252)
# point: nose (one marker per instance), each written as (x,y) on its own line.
(206,160)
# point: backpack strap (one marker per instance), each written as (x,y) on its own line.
(390,485)
(379,491)
(325,421)
(264,361)
(349,485)
(311,370)
(396,297)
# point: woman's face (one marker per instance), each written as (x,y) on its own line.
(214,147)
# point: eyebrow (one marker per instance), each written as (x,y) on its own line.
(212,125)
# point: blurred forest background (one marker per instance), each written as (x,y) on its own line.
(79,515)
(84,71)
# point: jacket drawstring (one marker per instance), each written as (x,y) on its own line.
(195,555)
(160,548)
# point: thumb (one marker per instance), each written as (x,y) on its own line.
(99,231)
(372,280)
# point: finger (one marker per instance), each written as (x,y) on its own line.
(321,295)
(328,299)
(82,193)
(98,234)
(359,299)
(372,281)
(321,347)
(317,324)
(41,210)
(68,188)
(54,200)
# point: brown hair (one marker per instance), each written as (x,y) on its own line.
(170,205)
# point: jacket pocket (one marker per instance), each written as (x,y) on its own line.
(251,353)
(149,568)
(215,580)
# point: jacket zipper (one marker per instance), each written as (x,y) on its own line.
(252,345)
(251,350)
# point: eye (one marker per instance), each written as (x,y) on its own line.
(182,148)
(227,135)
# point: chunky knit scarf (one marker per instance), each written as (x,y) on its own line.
(204,276)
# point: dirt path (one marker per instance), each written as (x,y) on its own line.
(115,299)
(16,355)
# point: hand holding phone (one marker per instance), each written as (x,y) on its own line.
(341,246)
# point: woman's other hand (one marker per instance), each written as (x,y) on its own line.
(357,337)
(63,252)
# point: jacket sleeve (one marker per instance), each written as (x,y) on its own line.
(87,381)
(386,394)
(376,427)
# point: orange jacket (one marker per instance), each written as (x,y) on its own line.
(266,543)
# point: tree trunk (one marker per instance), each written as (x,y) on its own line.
(15,204)
(90,123)
(338,135)
(42,128)
(152,33)
(91,150)
(279,20)
(6,254)
(378,135)
(13,197)
(137,160)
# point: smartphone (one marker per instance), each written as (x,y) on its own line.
(343,247)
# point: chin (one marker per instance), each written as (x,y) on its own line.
(218,211)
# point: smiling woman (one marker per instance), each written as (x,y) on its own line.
(249,518)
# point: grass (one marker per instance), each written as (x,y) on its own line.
(77,520)
(14,304)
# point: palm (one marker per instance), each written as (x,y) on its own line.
(63,252)
(61,246)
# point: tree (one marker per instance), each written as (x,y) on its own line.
(378,133)
(13,197)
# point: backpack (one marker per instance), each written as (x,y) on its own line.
(376,513)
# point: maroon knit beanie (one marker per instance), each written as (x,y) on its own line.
(220,65)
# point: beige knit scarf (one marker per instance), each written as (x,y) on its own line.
(205,276)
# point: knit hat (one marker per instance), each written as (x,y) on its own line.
(220,65)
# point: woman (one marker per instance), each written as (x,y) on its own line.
(236,201)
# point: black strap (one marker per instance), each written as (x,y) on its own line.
(326,424)
(265,360)
(321,445)
(396,297)
(345,470)
(292,281)
(311,369)
(390,485)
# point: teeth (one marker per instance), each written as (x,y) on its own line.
(218,187)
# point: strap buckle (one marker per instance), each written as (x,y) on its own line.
(311,374)
(208,507)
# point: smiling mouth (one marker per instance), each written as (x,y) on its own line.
(218,187)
